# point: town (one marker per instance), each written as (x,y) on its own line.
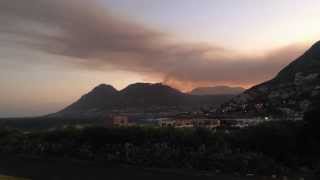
(184,121)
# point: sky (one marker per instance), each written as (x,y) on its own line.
(54,51)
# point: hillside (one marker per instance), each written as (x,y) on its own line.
(217,90)
(289,94)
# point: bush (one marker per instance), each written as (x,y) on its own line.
(266,149)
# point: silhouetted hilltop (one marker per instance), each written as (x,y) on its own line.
(140,97)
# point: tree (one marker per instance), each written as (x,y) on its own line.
(311,135)
(312,117)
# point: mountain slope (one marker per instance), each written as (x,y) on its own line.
(217,90)
(139,97)
(145,94)
(289,94)
(93,99)
(307,64)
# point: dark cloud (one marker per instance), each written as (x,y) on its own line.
(85,30)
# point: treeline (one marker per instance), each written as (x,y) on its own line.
(41,123)
(278,147)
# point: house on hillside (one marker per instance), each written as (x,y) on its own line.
(184,123)
(166,122)
(191,122)
(122,121)
(207,123)
(176,122)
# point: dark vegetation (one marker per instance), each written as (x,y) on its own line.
(41,123)
(271,148)
(59,169)
(311,133)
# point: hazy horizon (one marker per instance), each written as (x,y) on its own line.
(52,52)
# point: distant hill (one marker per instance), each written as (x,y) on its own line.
(217,90)
(289,94)
(139,97)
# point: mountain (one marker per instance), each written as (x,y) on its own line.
(101,96)
(145,94)
(289,94)
(217,90)
(139,97)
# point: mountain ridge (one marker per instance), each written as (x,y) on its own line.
(139,97)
